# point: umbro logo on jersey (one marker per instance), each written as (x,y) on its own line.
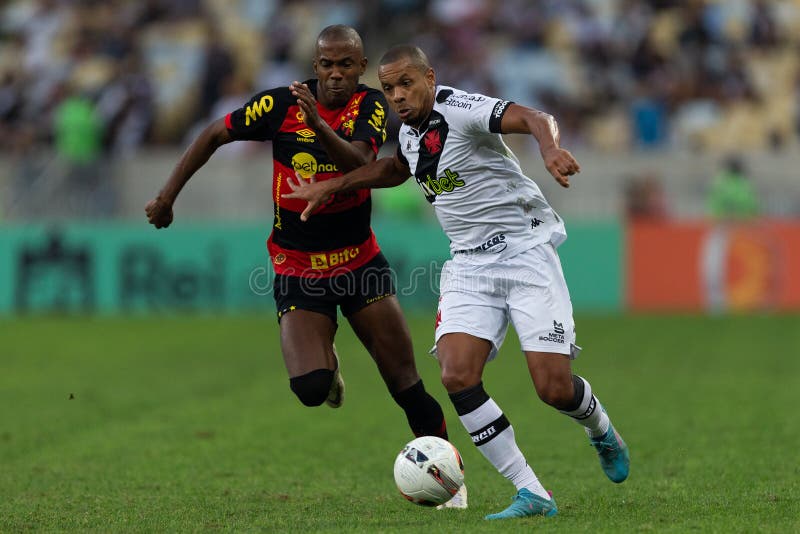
(306,135)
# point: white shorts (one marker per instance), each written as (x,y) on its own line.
(528,289)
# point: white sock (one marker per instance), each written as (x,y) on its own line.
(494,436)
(589,413)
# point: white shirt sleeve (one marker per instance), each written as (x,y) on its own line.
(473,112)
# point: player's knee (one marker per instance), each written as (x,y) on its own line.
(556,394)
(456,380)
(312,388)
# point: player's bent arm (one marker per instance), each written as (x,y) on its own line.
(543,127)
(196,155)
(345,154)
(384,172)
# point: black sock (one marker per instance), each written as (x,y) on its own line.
(424,414)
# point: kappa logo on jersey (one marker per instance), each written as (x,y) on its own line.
(433,141)
(436,186)
(535,222)
(255,110)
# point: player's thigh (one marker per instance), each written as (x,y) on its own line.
(375,315)
(307,318)
(480,314)
(539,304)
(307,341)
(373,311)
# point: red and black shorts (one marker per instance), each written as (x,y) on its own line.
(350,290)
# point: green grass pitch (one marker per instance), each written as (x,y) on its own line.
(187,424)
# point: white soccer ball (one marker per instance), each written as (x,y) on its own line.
(428,471)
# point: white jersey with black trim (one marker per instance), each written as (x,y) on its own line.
(487,207)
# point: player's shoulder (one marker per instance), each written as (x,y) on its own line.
(458,104)
(453,98)
(370,93)
(468,110)
(274,96)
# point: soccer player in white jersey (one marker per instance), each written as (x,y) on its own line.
(504,264)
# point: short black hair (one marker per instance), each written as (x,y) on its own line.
(413,54)
(340,32)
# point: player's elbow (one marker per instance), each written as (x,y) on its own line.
(215,135)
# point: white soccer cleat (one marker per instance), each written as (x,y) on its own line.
(459,500)
(336,393)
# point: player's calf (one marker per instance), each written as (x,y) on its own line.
(423,412)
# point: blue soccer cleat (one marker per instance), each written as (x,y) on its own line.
(526,504)
(614,457)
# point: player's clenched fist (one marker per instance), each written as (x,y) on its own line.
(159,212)
(561,164)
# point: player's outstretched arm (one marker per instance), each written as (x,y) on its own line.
(558,161)
(159,210)
(384,172)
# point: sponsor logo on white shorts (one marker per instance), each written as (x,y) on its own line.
(557,335)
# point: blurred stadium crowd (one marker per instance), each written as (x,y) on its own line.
(99,79)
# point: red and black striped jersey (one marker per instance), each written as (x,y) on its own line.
(339,232)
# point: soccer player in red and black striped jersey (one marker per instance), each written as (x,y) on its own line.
(320,129)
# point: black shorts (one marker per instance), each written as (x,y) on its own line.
(351,290)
